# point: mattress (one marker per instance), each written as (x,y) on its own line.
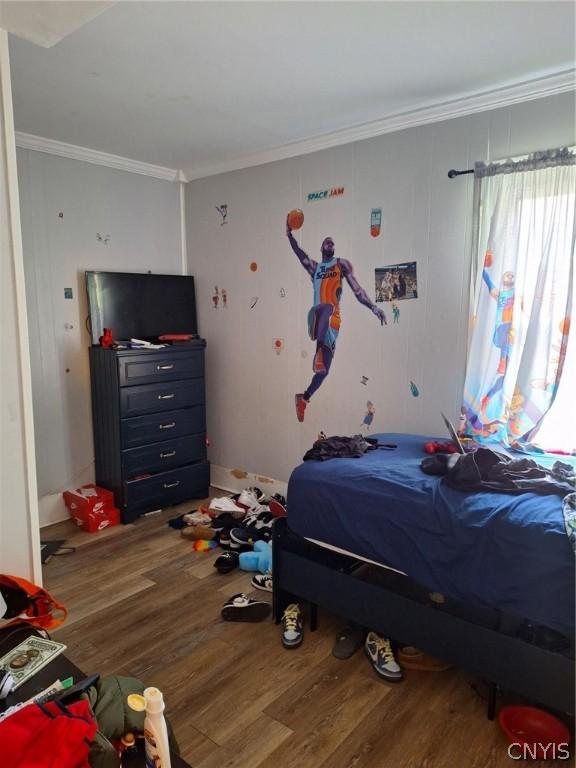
(495,550)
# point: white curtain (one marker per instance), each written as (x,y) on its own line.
(524,294)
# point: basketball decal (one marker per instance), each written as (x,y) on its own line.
(295,218)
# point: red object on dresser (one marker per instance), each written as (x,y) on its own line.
(92,507)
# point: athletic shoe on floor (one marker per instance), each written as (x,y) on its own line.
(292,632)
(227,562)
(262,581)
(277,508)
(240,537)
(381,656)
(259,525)
(250,499)
(301,404)
(198,532)
(224,538)
(224,521)
(348,641)
(242,608)
(224,504)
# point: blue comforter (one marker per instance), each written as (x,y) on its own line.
(498,550)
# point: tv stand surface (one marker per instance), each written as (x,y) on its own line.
(149,419)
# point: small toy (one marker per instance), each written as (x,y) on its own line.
(107,339)
(202,545)
(258,560)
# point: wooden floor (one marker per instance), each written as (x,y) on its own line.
(142,603)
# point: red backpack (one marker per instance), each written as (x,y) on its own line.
(30,604)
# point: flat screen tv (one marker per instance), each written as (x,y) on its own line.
(140,305)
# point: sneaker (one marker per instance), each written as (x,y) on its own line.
(223,522)
(348,641)
(242,608)
(240,537)
(250,499)
(227,562)
(224,504)
(318,364)
(224,538)
(277,508)
(260,524)
(262,581)
(292,633)
(381,656)
(301,404)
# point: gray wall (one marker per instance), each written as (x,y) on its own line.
(19,539)
(142,217)
(426,218)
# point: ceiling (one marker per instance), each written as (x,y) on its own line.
(202,85)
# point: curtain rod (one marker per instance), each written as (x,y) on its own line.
(452,173)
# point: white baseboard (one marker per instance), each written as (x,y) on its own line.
(234,481)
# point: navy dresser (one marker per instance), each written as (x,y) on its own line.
(149,418)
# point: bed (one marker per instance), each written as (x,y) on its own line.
(485,580)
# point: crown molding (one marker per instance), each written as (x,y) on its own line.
(503,96)
(94,156)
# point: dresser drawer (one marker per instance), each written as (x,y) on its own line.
(166,455)
(153,398)
(151,368)
(168,487)
(154,427)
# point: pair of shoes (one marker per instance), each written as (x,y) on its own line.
(242,608)
(262,581)
(227,562)
(292,630)
(379,651)
(350,638)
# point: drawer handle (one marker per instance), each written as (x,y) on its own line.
(166,397)
(167,455)
(172,485)
(165,367)
(170,425)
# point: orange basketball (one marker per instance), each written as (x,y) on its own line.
(295,218)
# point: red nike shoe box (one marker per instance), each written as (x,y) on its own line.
(92,508)
(96,521)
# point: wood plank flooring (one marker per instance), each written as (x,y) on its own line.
(142,603)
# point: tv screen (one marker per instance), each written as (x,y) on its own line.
(140,306)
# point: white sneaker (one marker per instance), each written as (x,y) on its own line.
(249,499)
(379,651)
(225,504)
(262,581)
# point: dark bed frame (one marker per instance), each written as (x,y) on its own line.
(484,642)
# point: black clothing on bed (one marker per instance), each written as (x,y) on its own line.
(487,470)
(340,447)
